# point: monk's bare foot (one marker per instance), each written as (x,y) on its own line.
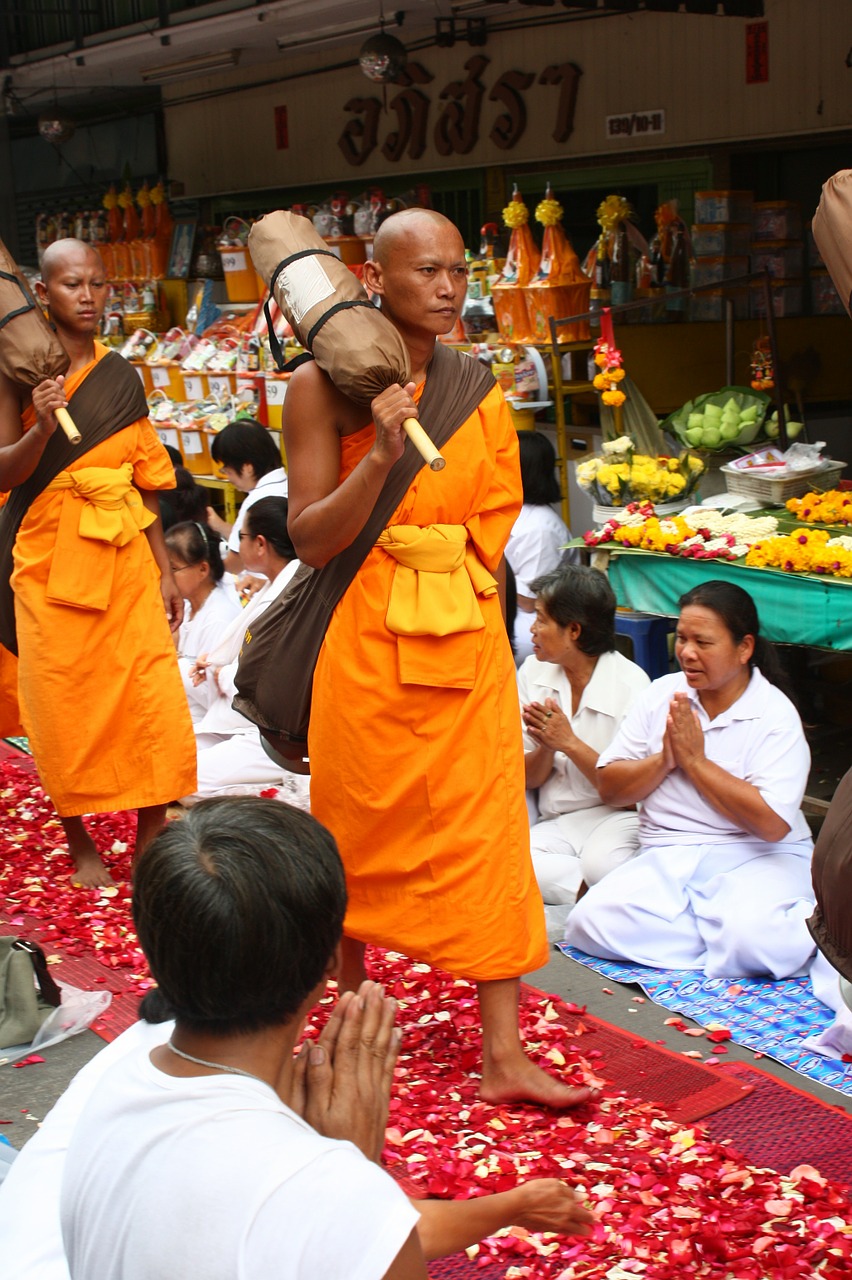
(89,871)
(519,1080)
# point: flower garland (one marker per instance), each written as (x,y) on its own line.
(833,507)
(762,368)
(609,360)
(806,551)
(705,534)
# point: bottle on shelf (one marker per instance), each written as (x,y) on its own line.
(620,274)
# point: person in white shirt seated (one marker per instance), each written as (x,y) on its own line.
(231,759)
(716,759)
(210,603)
(249,457)
(575,690)
(203,1146)
(538,536)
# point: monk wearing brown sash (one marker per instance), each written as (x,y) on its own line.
(94,601)
(414,741)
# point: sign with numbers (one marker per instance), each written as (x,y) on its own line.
(169,436)
(276,390)
(220,387)
(636,124)
(160,377)
(193,388)
(191,441)
(235,261)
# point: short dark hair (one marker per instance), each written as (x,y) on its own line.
(268,516)
(737,612)
(246,441)
(538,469)
(197,543)
(238,908)
(189,500)
(575,593)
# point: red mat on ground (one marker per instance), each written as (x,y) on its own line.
(686,1090)
(781,1126)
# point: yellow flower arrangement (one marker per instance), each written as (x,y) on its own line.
(804,551)
(833,507)
(621,476)
(654,534)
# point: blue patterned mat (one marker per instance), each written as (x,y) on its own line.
(773,1018)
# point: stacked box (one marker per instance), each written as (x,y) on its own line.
(715,270)
(825,300)
(783,259)
(721,239)
(787,298)
(723,206)
(777,220)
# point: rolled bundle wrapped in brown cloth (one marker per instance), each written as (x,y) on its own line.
(332,316)
(30,351)
(831,923)
(832,229)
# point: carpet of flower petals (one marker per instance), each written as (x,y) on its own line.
(36,878)
(669,1201)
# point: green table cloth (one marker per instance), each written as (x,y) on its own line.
(793,608)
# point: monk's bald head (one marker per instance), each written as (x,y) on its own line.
(63,254)
(409,228)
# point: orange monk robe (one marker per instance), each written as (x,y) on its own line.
(422,784)
(10,720)
(98,683)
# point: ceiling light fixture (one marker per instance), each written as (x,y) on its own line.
(203,62)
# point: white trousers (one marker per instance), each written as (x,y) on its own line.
(732,910)
(837,1038)
(237,765)
(585,845)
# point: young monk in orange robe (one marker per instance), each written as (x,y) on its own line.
(415,746)
(98,684)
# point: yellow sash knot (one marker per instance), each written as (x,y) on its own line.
(437,580)
(112,510)
(100,511)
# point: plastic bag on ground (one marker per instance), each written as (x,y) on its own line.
(78,1010)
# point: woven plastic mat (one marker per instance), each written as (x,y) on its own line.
(772,1018)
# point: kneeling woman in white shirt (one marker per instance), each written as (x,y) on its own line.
(210,604)
(231,760)
(716,758)
(575,690)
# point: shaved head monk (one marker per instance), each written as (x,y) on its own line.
(94,599)
(414,741)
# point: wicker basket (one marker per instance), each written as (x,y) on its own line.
(775,490)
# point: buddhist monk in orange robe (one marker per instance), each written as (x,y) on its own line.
(414,742)
(99,689)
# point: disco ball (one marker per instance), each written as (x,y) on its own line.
(383,58)
(55,128)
